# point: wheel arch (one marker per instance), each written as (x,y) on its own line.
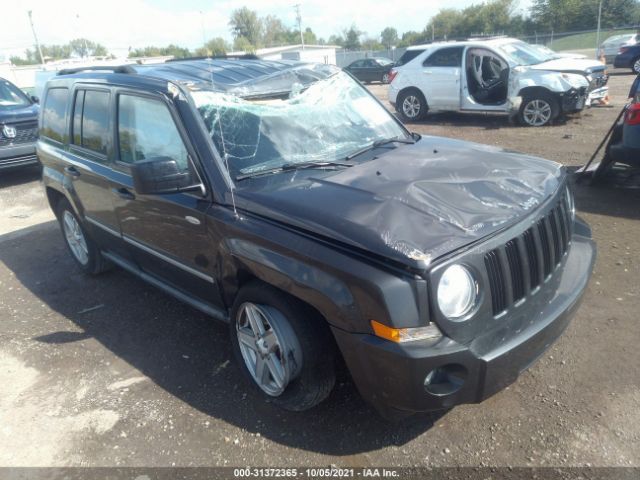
(414,89)
(533,90)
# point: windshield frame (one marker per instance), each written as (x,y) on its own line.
(219,155)
(13,88)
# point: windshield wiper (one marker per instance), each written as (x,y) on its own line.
(379,143)
(292,166)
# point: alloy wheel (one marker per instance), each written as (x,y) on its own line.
(385,78)
(411,106)
(636,66)
(537,113)
(75,238)
(269,347)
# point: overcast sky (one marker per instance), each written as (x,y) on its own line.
(120,24)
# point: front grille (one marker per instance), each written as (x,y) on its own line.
(598,80)
(26,132)
(520,266)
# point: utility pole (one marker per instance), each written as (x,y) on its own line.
(299,19)
(598,34)
(36,38)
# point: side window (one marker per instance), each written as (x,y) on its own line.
(408,56)
(147,130)
(54,114)
(358,64)
(445,57)
(93,106)
(371,63)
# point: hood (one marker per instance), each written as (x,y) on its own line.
(414,203)
(18,114)
(574,65)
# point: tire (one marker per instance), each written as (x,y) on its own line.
(635,66)
(80,245)
(385,78)
(412,106)
(298,344)
(538,110)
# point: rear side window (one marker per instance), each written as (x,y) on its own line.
(408,56)
(54,114)
(91,120)
(445,57)
(146,130)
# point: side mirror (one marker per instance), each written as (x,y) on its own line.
(35,99)
(159,175)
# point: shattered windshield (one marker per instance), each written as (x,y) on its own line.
(324,122)
(524,54)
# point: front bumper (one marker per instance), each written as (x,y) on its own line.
(18,155)
(391,376)
(574,100)
(597,95)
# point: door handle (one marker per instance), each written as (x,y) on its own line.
(427,72)
(123,193)
(72,171)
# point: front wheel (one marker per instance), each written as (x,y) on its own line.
(412,106)
(538,110)
(284,349)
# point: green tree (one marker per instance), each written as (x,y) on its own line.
(85,48)
(242,44)
(274,32)
(217,46)
(245,24)
(352,38)
(389,37)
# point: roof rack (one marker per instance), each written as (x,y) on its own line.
(246,56)
(98,68)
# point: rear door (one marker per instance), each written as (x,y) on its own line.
(441,72)
(166,233)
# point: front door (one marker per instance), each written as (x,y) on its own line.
(166,233)
(441,73)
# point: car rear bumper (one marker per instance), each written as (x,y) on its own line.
(391,376)
(18,155)
(623,61)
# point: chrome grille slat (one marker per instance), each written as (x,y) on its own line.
(25,133)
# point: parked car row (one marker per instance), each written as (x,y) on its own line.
(502,75)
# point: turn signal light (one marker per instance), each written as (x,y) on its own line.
(400,335)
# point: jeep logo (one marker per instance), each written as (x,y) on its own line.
(9,132)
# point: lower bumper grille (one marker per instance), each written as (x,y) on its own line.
(521,265)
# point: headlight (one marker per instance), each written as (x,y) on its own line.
(570,203)
(457,292)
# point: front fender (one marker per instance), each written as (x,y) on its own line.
(552,81)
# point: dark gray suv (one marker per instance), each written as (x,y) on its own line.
(18,126)
(284,199)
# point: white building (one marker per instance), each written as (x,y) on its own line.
(309,53)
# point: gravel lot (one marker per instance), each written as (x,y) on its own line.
(109,371)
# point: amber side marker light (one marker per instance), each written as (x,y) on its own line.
(401,335)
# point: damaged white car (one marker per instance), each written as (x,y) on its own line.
(500,76)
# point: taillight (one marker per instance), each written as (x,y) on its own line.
(392,74)
(633,114)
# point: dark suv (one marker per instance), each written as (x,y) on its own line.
(284,199)
(18,126)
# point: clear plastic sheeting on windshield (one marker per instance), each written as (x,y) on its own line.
(321,122)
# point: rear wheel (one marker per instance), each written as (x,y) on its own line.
(538,110)
(635,66)
(412,106)
(283,347)
(385,78)
(83,249)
